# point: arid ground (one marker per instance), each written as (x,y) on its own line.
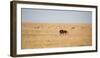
(46,35)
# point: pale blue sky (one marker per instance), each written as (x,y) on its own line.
(56,16)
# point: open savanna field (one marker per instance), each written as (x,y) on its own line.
(46,35)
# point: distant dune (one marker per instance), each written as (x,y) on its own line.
(47,35)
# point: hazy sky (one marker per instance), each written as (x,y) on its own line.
(56,16)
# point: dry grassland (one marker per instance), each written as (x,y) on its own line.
(46,35)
